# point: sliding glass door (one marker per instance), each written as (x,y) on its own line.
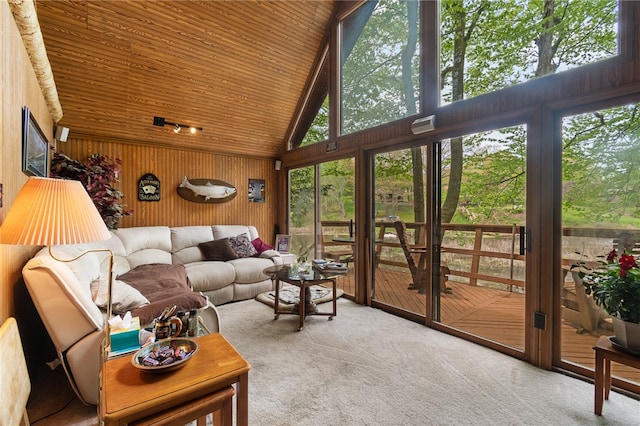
(482,196)
(337,227)
(321,215)
(400,263)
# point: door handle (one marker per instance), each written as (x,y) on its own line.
(525,240)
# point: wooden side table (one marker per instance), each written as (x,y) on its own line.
(128,394)
(605,353)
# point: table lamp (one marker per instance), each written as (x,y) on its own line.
(50,212)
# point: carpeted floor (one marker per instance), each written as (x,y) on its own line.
(367,367)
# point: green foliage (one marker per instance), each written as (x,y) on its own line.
(600,174)
(319,130)
(616,286)
(301,196)
(376,89)
(337,180)
(486,45)
(504,42)
(98,176)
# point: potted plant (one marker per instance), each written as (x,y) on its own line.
(99,176)
(616,287)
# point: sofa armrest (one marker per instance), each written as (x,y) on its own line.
(269,254)
(273,255)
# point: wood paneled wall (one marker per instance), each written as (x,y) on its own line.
(170,166)
(18,87)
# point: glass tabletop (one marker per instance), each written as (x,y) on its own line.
(291,272)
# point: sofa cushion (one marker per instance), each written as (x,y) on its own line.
(148,256)
(146,244)
(241,244)
(250,269)
(86,267)
(218,250)
(185,240)
(226,231)
(123,297)
(260,246)
(164,285)
(210,275)
(54,287)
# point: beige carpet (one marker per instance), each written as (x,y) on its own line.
(367,367)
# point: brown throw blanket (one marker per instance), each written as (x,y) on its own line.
(163,285)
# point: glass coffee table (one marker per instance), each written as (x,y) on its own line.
(303,280)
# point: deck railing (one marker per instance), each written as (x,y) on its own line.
(487,254)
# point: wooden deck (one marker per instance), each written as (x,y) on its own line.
(493,314)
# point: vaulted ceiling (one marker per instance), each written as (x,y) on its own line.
(235,68)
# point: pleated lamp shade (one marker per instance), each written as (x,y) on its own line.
(50,212)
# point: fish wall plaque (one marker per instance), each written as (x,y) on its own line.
(206,190)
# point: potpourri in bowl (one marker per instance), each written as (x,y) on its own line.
(165,355)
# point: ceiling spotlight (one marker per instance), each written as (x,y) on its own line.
(161,122)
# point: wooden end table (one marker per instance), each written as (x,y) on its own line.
(303,281)
(605,353)
(129,394)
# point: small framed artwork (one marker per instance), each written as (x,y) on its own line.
(256,190)
(283,243)
(35,146)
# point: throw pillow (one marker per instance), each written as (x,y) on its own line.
(218,250)
(260,246)
(123,297)
(241,244)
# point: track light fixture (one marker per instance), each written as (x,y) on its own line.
(160,121)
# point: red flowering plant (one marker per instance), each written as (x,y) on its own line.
(616,286)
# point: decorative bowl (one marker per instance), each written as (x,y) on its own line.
(165,355)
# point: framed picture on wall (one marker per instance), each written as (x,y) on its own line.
(35,146)
(283,243)
(256,190)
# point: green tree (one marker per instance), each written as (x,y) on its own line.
(489,45)
(301,195)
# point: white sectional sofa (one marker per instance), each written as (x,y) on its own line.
(220,281)
(62,291)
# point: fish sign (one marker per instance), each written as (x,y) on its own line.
(206,190)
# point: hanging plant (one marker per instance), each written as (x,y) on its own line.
(98,176)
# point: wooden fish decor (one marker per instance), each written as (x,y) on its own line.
(206,190)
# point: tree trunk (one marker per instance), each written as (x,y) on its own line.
(545,43)
(410,101)
(450,203)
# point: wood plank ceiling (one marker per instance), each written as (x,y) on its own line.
(235,68)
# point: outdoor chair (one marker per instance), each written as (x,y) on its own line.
(417,260)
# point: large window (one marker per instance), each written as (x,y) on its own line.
(600,212)
(489,45)
(379,64)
